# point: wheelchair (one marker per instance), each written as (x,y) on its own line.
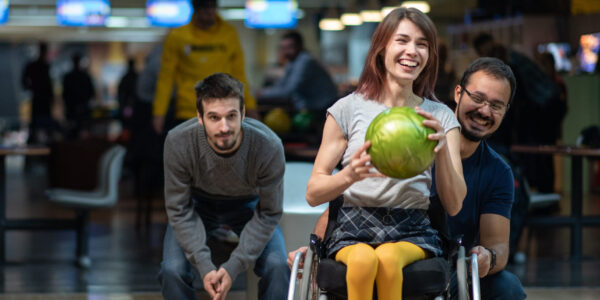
(323,278)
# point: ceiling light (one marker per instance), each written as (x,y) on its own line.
(386,10)
(331,21)
(420,5)
(371,16)
(351,16)
(331,24)
(351,19)
(371,12)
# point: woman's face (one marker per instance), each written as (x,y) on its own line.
(406,53)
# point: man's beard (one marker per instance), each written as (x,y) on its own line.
(226,146)
(469,134)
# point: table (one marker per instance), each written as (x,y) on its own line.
(576,220)
(22,224)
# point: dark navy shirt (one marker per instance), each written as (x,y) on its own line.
(490,190)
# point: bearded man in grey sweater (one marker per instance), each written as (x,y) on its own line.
(222,169)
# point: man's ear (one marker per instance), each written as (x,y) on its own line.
(457,91)
(243,112)
(199,118)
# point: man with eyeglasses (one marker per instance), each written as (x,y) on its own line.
(483,97)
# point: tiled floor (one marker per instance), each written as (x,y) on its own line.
(125,261)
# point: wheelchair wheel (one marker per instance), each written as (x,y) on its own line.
(461,275)
(475,278)
(308,286)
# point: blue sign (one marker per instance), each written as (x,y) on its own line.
(168,13)
(271,14)
(82,12)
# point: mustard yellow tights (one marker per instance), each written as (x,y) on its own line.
(383,265)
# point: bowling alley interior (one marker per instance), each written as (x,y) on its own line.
(93,92)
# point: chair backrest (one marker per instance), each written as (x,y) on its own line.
(109,173)
(294,185)
(295,180)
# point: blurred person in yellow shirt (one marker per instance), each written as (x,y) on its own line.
(207,44)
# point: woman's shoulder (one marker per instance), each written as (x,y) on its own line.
(353,101)
(352,97)
(345,103)
(435,106)
(441,112)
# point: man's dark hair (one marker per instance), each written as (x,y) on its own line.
(494,67)
(43,49)
(296,37)
(218,86)
(482,39)
(76,59)
(196,4)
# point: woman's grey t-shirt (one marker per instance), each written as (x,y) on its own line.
(353,114)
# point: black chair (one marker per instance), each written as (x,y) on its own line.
(324,278)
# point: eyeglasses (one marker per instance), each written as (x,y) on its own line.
(496,107)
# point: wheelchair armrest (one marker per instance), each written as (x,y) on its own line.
(317,246)
(450,247)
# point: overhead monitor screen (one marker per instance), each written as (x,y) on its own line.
(587,56)
(560,52)
(3,11)
(168,13)
(82,12)
(271,14)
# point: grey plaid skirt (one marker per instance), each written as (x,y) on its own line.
(378,225)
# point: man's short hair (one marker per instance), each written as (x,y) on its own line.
(494,67)
(296,37)
(218,86)
(204,4)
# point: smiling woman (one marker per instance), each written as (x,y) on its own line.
(407,53)
(400,71)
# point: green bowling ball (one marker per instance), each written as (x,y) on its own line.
(399,144)
(301,121)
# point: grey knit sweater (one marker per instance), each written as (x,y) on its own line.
(255,169)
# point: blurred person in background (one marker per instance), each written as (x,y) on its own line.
(306,87)
(533,118)
(127,96)
(559,112)
(145,151)
(547,64)
(306,84)
(275,71)
(446,80)
(78,91)
(207,44)
(36,78)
